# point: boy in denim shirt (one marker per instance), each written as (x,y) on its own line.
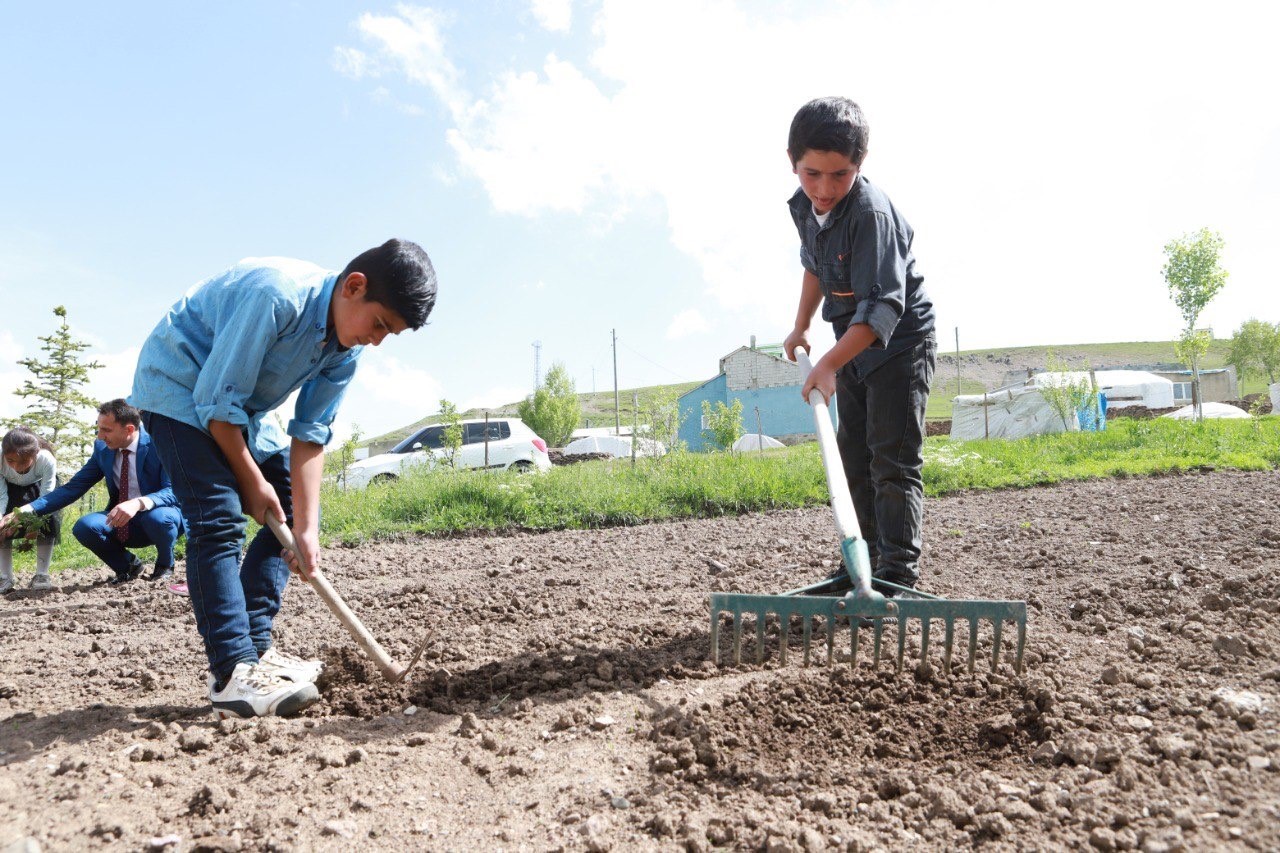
(858,264)
(231,350)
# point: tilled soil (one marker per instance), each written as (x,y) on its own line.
(566,700)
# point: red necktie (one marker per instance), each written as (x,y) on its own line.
(122,532)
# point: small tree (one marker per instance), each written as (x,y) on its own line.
(56,407)
(661,410)
(1255,350)
(1194,276)
(1065,392)
(451,436)
(554,409)
(724,423)
(345,456)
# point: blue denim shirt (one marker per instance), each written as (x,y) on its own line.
(239,343)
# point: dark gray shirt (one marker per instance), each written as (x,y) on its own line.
(863,260)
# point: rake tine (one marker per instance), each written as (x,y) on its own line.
(1022,642)
(878,627)
(853,641)
(784,622)
(715,638)
(759,638)
(737,639)
(902,642)
(973,643)
(808,637)
(831,640)
(924,641)
(995,644)
(946,646)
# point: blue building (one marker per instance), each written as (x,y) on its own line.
(768,386)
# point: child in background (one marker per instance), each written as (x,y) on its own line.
(28,470)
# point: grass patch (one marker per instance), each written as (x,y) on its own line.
(612,493)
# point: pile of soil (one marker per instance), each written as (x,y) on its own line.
(566,699)
(558,457)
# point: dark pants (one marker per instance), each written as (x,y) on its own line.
(160,527)
(881,439)
(234,601)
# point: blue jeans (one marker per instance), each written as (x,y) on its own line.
(234,601)
(881,440)
(160,526)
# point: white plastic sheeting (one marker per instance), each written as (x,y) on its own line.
(614,445)
(1211,410)
(1275,397)
(756,441)
(1012,413)
(1122,387)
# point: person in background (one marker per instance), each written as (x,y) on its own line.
(28,470)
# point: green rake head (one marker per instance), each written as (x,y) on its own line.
(866,609)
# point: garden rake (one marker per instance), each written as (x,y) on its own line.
(862,607)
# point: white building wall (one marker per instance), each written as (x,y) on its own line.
(747,368)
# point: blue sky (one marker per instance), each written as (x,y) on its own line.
(577,167)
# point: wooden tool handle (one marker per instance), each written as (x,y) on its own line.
(349,620)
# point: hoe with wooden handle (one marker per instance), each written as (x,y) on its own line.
(393,671)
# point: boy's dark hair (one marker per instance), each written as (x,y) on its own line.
(829,124)
(122,412)
(400,277)
(23,442)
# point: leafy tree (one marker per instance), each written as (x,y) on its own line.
(1064,391)
(554,410)
(346,454)
(56,405)
(724,423)
(1255,350)
(451,436)
(661,410)
(1194,276)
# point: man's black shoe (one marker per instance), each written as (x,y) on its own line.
(135,569)
(161,573)
(837,581)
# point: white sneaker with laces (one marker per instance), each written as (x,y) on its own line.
(256,691)
(41,582)
(290,666)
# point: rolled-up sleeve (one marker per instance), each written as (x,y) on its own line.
(228,376)
(879,257)
(318,402)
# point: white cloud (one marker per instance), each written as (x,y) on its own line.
(354,63)
(386,394)
(492,398)
(686,323)
(1043,159)
(554,15)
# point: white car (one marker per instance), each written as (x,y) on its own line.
(510,444)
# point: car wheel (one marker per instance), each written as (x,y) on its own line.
(523,466)
(383,479)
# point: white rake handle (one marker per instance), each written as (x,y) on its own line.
(349,620)
(837,483)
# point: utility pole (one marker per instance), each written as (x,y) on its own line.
(957,361)
(617,410)
(537,365)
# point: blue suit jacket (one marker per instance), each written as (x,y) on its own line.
(153,482)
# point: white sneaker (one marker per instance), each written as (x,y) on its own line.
(41,582)
(255,691)
(6,584)
(289,666)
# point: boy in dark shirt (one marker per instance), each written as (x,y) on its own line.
(858,264)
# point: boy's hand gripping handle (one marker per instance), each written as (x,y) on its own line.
(837,484)
(388,667)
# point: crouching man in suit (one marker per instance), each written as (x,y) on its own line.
(141,509)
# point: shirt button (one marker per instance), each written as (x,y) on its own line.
(313,361)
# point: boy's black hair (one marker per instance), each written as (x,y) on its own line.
(829,124)
(400,276)
(122,412)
